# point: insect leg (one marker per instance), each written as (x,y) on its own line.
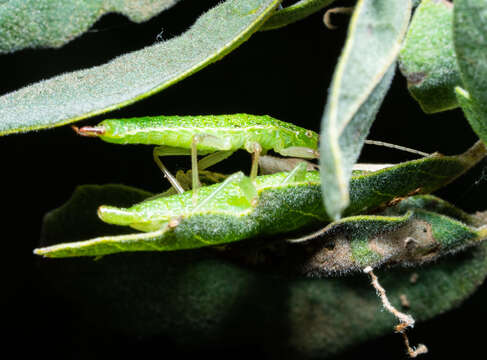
(271,164)
(297,174)
(213,159)
(211,141)
(194,164)
(299,151)
(164,151)
(247,187)
(255,149)
(182,178)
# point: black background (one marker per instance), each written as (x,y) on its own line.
(283,73)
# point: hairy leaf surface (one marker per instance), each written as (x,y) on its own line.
(470,37)
(48,23)
(474,112)
(418,230)
(196,298)
(74,96)
(428,60)
(275,206)
(360,82)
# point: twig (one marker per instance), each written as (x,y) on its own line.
(336,10)
(406,320)
(412,352)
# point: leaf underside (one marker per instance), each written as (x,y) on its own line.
(74,96)
(195,298)
(47,23)
(361,80)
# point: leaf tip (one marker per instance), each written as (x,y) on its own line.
(335,209)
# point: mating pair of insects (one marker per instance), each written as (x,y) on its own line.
(217,137)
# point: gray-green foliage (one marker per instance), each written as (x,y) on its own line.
(199,298)
(128,78)
(360,82)
(53,23)
(419,229)
(235,210)
(470,29)
(216,299)
(474,112)
(295,12)
(470,37)
(427,59)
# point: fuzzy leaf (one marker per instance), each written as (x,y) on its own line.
(428,60)
(470,29)
(294,12)
(474,112)
(53,23)
(361,80)
(74,96)
(470,37)
(277,204)
(196,298)
(409,234)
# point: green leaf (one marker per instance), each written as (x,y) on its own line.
(407,234)
(474,112)
(361,80)
(74,96)
(469,30)
(197,298)
(293,13)
(48,23)
(428,60)
(278,204)
(434,204)
(427,174)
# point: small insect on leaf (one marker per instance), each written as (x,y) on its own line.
(239,209)
(158,287)
(216,135)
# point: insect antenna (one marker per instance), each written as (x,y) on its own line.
(397,147)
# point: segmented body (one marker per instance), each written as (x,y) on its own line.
(302,196)
(221,132)
(367,191)
(277,206)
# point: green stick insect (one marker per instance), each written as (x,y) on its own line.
(240,208)
(217,136)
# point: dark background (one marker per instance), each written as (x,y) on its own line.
(283,73)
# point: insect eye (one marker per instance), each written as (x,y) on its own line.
(309,133)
